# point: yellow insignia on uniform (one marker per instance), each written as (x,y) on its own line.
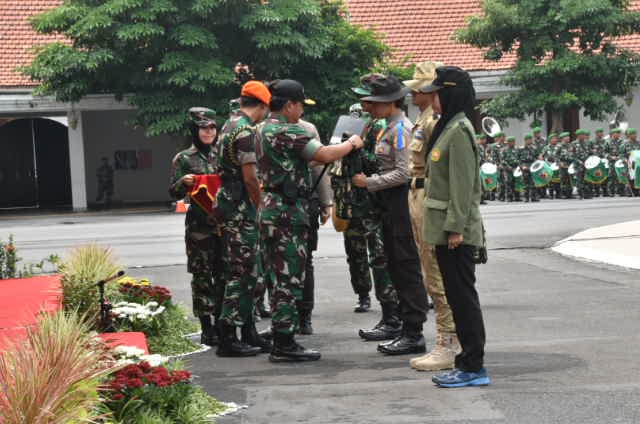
(435,155)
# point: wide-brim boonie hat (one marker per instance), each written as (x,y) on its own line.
(423,75)
(386,90)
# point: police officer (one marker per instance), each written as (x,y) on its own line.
(319,212)
(390,186)
(284,151)
(446,347)
(238,201)
(203,245)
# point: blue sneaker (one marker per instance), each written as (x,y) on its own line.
(459,378)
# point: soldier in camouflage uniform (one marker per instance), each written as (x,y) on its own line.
(538,140)
(509,161)
(363,238)
(527,155)
(494,151)
(565,155)
(627,147)
(581,149)
(202,242)
(612,150)
(550,154)
(598,148)
(481,141)
(238,201)
(284,150)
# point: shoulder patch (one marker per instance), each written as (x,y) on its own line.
(435,155)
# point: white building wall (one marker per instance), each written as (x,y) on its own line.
(105,133)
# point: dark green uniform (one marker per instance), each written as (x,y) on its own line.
(612,151)
(625,149)
(202,242)
(581,151)
(565,154)
(509,161)
(240,228)
(527,155)
(550,153)
(493,155)
(364,233)
(283,153)
(598,148)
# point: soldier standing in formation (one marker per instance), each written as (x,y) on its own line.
(598,148)
(494,154)
(527,155)
(550,153)
(566,157)
(283,156)
(627,147)
(580,153)
(481,141)
(239,199)
(447,346)
(390,187)
(612,150)
(509,161)
(203,243)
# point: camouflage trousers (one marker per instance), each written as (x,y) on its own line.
(284,257)
(530,189)
(364,235)
(565,182)
(614,186)
(240,271)
(430,270)
(203,262)
(584,188)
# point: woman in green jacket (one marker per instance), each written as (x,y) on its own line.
(452,221)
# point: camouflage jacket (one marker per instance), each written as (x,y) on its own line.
(599,148)
(528,154)
(551,153)
(482,152)
(612,149)
(565,153)
(493,153)
(283,151)
(509,158)
(191,161)
(581,151)
(237,147)
(627,147)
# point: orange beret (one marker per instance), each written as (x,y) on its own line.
(257,90)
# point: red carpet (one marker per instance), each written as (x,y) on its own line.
(22,300)
(126,339)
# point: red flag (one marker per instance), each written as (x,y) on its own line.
(205,190)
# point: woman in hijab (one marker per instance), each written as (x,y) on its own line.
(452,221)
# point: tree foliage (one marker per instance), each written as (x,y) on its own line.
(168,55)
(566,53)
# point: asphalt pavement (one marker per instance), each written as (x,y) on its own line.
(562,337)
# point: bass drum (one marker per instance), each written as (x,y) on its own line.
(595,171)
(634,168)
(556,172)
(489,176)
(518,180)
(621,172)
(541,173)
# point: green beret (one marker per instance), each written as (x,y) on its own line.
(528,136)
(580,131)
(499,134)
(481,136)
(510,139)
(565,134)
(599,130)
(631,131)
(615,130)
(536,129)
(553,135)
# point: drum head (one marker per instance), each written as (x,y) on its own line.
(592,162)
(488,168)
(555,166)
(537,165)
(517,172)
(619,163)
(606,163)
(572,169)
(634,156)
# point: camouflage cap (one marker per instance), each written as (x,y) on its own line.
(365,84)
(202,116)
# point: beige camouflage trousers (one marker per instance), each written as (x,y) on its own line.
(430,270)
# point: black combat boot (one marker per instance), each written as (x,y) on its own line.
(250,336)
(266,334)
(388,328)
(410,341)
(285,349)
(263,310)
(209,334)
(230,346)
(363,304)
(305,322)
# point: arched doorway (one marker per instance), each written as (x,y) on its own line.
(34,164)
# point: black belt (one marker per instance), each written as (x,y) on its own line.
(416,183)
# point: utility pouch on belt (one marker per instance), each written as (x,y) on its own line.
(290,190)
(237,190)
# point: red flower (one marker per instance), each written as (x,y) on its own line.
(118,396)
(134,383)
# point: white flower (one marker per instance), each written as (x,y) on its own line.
(136,311)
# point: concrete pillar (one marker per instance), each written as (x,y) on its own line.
(77,162)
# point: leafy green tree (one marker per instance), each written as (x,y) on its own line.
(566,55)
(168,55)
